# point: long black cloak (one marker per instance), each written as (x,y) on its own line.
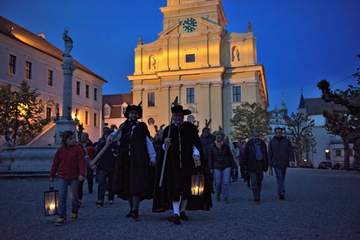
(133,175)
(178,171)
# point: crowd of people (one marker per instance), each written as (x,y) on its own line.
(133,166)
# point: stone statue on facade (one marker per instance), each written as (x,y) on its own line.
(68,43)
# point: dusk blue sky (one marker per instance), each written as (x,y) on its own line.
(299,41)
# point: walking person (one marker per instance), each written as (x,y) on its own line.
(280,154)
(207,140)
(89,152)
(221,162)
(69,165)
(133,176)
(105,168)
(256,163)
(182,154)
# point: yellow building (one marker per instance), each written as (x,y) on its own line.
(210,69)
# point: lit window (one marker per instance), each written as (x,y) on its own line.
(50,77)
(95,120)
(190,58)
(236,93)
(190,95)
(12,64)
(86,117)
(151,99)
(28,70)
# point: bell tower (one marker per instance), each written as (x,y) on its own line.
(177,10)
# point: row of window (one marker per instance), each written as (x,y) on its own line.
(50,76)
(87,91)
(86,120)
(190,96)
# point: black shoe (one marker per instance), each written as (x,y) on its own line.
(174,219)
(129,215)
(135,215)
(281,196)
(99,204)
(183,216)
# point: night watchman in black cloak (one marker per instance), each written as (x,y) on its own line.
(183,156)
(133,177)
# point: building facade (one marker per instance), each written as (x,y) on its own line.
(329,147)
(30,57)
(195,58)
(114,107)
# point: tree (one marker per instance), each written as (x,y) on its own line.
(20,114)
(346,123)
(247,117)
(300,129)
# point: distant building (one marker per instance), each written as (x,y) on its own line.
(114,108)
(27,56)
(328,147)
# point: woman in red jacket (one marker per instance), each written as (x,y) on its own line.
(69,165)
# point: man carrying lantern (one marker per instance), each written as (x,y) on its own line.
(182,179)
(133,175)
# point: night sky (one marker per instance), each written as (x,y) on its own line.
(299,41)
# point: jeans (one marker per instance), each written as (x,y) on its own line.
(256,181)
(90,181)
(222,180)
(63,191)
(280,178)
(104,180)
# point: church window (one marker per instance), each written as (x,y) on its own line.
(190,58)
(86,118)
(190,95)
(151,99)
(236,93)
(95,94)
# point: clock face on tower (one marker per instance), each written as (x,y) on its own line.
(189,25)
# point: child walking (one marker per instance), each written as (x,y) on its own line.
(69,164)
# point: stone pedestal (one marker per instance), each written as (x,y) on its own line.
(61,126)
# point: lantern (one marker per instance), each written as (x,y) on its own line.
(197,184)
(51,202)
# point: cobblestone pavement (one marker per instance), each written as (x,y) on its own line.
(320,204)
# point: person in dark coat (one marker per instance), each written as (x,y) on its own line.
(105,168)
(207,140)
(133,177)
(184,157)
(280,154)
(256,162)
(221,162)
(89,152)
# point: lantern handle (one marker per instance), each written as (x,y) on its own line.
(51,185)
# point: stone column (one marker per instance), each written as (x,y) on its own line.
(66,123)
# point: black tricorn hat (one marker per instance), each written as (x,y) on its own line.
(177,108)
(137,108)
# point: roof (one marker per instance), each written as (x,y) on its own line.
(117,99)
(26,37)
(317,106)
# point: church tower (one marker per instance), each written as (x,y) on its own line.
(211,70)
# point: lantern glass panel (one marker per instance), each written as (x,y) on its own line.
(197,184)
(51,202)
